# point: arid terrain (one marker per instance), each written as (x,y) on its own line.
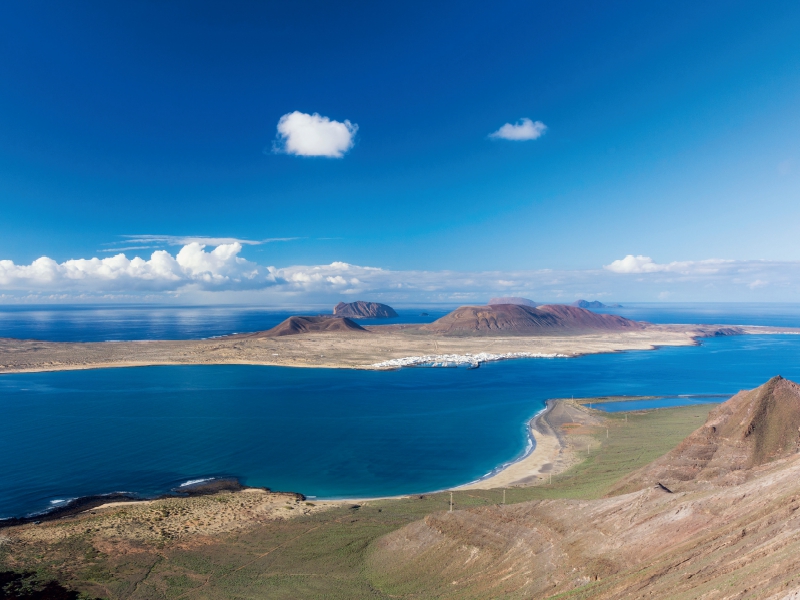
(333,349)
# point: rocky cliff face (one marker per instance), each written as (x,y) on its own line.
(363,310)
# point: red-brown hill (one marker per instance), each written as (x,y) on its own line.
(752,428)
(364,310)
(297,325)
(514,319)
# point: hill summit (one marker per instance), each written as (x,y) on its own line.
(298,324)
(754,427)
(363,310)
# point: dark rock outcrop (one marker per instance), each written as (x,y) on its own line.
(364,310)
(594,304)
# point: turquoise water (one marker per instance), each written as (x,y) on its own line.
(326,433)
(668,402)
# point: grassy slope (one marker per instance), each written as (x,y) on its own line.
(323,555)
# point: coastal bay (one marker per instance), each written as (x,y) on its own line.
(330,433)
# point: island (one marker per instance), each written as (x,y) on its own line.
(364,310)
(468,335)
(594,304)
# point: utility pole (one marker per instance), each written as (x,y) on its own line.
(606,433)
(504,496)
(451,501)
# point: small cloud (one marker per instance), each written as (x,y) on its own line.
(635,264)
(126,248)
(153,241)
(524,129)
(757,284)
(302,134)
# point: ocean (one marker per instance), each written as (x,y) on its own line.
(324,433)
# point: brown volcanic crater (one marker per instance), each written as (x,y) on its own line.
(515,319)
(751,429)
(298,324)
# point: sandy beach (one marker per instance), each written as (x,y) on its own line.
(550,454)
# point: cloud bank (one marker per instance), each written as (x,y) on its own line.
(522,130)
(193,266)
(645,264)
(302,134)
(222,275)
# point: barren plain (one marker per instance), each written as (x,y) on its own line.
(340,349)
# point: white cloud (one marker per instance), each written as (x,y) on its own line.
(635,264)
(522,130)
(192,266)
(199,273)
(313,135)
(182,240)
(645,264)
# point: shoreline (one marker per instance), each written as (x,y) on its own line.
(82,504)
(541,457)
(545,455)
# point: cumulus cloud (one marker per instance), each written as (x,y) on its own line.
(193,266)
(302,134)
(199,269)
(635,264)
(522,130)
(645,264)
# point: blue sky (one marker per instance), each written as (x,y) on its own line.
(672,132)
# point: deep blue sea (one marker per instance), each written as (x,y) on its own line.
(91,323)
(325,433)
(97,323)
